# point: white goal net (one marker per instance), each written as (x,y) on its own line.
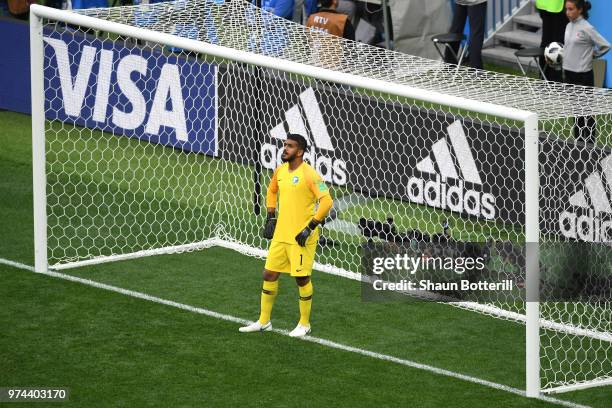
(161,125)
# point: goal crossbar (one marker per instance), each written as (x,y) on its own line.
(273,63)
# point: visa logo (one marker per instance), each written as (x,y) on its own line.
(118,77)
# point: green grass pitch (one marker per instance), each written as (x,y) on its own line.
(114,350)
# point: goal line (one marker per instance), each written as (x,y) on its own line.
(333,270)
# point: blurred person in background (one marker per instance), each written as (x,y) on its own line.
(554,20)
(582,43)
(288,9)
(476,12)
(302,9)
(347,7)
(328,20)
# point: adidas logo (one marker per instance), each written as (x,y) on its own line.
(593,222)
(455,197)
(332,170)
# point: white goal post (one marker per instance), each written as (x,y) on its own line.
(306,68)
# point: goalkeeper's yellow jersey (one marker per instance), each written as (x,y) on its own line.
(297,192)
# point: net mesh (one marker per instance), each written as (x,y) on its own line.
(152,148)
(238,25)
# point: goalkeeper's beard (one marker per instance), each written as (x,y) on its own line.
(286,158)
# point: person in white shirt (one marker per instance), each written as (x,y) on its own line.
(582,44)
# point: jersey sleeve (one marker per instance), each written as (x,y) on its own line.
(316,184)
(318,187)
(272,193)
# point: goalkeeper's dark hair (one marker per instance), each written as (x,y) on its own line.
(301,140)
(325,4)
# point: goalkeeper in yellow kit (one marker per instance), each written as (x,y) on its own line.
(297,187)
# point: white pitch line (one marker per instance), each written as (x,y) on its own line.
(317,340)
(17,265)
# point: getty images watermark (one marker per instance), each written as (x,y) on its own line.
(429,268)
(487,272)
(450,271)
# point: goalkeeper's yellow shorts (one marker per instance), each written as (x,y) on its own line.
(291,258)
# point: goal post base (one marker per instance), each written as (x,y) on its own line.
(578,386)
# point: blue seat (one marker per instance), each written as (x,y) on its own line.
(85,4)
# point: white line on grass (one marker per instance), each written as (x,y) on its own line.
(18,265)
(317,340)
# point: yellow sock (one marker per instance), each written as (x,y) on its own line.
(268,294)
(305,303)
